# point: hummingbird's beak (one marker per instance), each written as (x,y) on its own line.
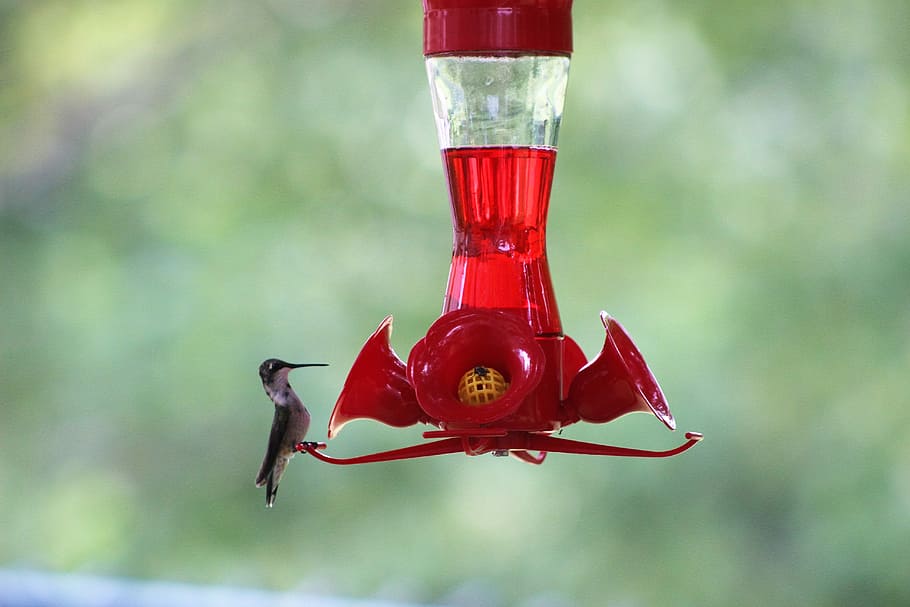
(298,366)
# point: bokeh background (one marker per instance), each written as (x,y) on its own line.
(189,187)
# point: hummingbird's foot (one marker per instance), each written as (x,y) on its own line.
(305,446)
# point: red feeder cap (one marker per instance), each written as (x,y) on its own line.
(497,26)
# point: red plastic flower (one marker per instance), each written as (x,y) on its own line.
(617,382)
(377,387)
(462,340)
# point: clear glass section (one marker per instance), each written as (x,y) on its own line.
(498,101)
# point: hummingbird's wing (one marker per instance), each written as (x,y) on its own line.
(279,427)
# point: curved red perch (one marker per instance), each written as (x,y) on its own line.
(518,444)
(440,447)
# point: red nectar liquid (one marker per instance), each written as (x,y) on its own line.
(500,197)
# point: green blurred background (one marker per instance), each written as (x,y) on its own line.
(187,188)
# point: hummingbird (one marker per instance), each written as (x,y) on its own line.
(290,425)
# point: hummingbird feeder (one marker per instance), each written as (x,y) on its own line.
(495,373)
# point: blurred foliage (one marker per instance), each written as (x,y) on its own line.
(187,188)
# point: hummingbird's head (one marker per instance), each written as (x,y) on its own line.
(274,368)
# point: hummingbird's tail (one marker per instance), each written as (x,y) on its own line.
(271,491)
(269,475)
(268,479)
